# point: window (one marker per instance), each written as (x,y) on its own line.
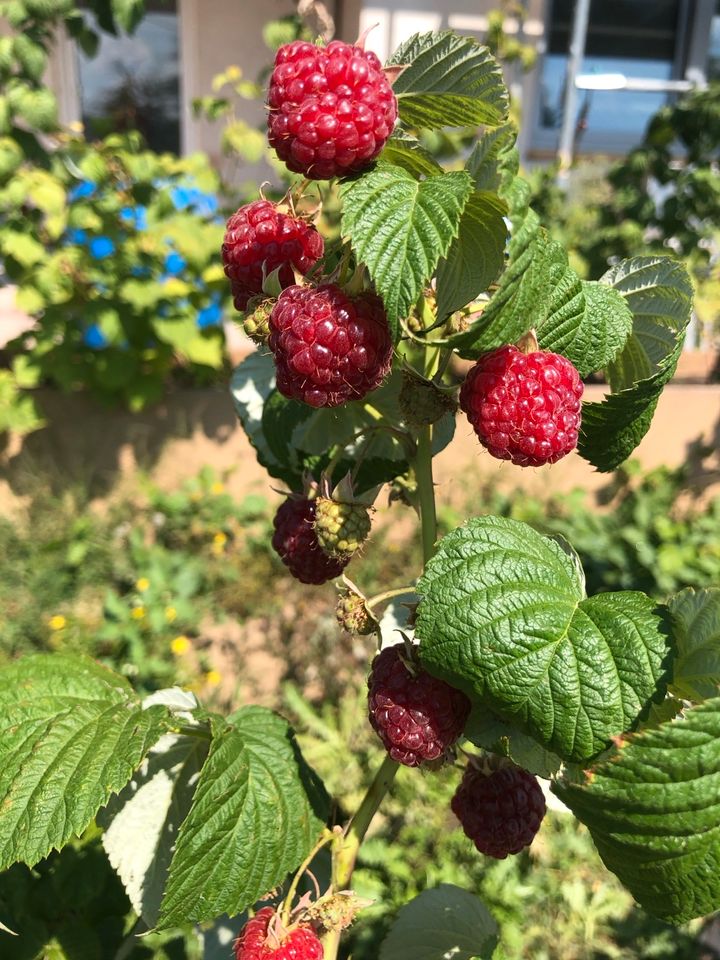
(637,38)
(133,82)
(713,68)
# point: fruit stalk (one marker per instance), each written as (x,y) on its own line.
(346,847)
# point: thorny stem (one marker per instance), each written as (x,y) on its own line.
(346,847)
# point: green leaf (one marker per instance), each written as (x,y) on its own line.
(142,822)
(444,922)
(659,294)
(587,322)
(695,619)
(31,56)
(191,343)
(258,811)
(399,228)
(38,108)
(523,295)
(504,617)
(22,247)
(494,158)
(653,810)
(486,730)
(71,734)
(475,257)
(253,381)
(450,81)
(405,151)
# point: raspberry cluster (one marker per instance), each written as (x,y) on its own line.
(500,811)
(524,407)
(296,544)
(258,238)
(329,348)
(417,716)
(331,109)
(255,943)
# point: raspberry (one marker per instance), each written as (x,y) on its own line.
(295,542)
(258,235)
(329,348)
(352,614)
(417,716)
(340,528)
(524,407)
(257,321)
(257,942)
(421,402)
(331,108)
(500,811)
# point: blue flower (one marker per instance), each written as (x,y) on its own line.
(135,217)
(95,338)
(211,315)
(101,248)
(77,237)
(174,264)
(85,188)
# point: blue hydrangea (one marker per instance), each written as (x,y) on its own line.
(77,237)
(94,337)
(175,263)
(85,188)
(212,314)
(135,217)
(101,248)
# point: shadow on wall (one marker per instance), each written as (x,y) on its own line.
(84,444)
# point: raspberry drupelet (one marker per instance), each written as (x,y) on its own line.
(331,109)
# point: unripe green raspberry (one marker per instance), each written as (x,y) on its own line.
(421,402)
(353,615)
(257,320)
(340,528)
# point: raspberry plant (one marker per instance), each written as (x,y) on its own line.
(507,669)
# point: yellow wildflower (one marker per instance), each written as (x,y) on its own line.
(138,613)
(217,488)
(58,622)
(180,645)
(170,614)
(142,584)
(219,541)
(212,678)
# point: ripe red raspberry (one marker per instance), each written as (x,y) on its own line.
(500,811)
(259,234)
(329,348)
(417,716)
(331,108)
(524,407)
(256,942)
(295,542)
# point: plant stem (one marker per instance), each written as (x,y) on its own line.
(387,595)
(426,492)
(287,906)
(346,847)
